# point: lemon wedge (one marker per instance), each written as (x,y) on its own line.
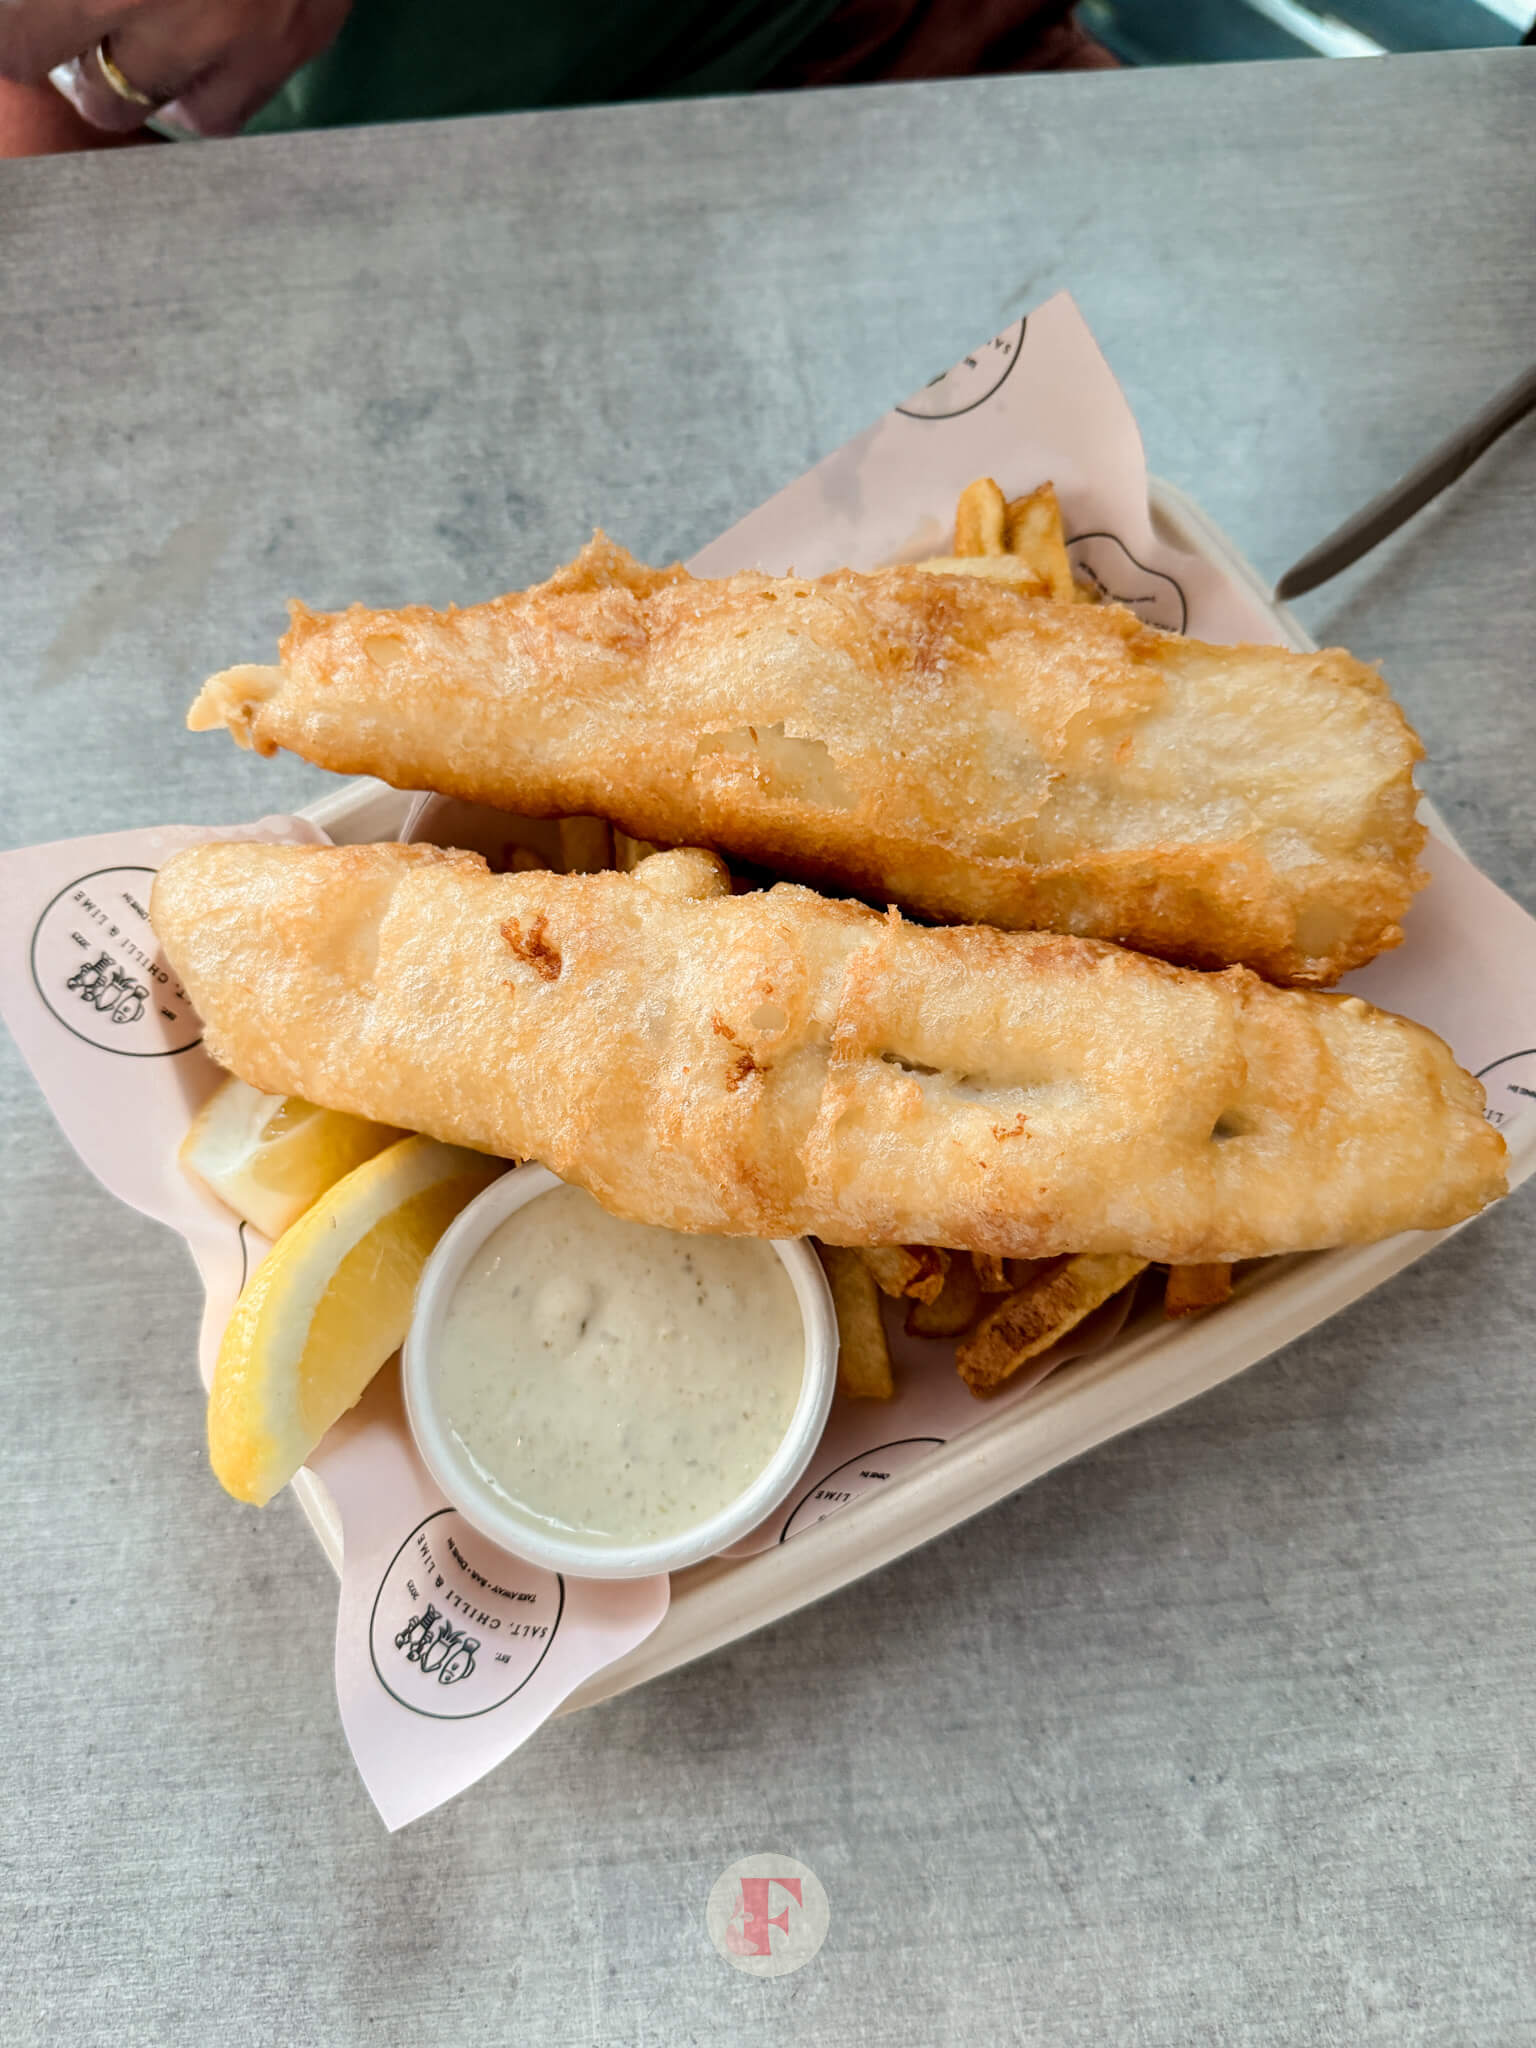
(270,1156)
(327,1306)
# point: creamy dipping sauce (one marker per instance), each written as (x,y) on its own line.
(614,1381)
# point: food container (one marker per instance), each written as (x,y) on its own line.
(457,1477)
(448,1653)
(1154,1365)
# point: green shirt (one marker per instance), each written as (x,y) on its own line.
(398,60)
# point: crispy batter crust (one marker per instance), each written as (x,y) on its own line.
(941,741)
(776,1063)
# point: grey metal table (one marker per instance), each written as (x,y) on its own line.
(1221,1734)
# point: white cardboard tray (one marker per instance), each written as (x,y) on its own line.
(1152,1367)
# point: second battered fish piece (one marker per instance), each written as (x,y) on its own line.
(776,1064)
(939,741)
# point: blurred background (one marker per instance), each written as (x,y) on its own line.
(1227,31)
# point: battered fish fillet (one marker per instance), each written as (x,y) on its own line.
(938,741)
(777,1063)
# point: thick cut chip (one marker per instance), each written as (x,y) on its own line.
(688,874)
(953,1309)
(1018,574)
(628,853)
(1035,1317)
(981,519)
(863,1356)
(1022,1271)
(1034,533)
(992,1275)
(912,1271)
(586,845)
(1192,1288)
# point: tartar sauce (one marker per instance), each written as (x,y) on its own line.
(615,1381)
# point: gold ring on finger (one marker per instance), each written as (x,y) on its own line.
(124,89)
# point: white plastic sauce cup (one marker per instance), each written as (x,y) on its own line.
(575,1556)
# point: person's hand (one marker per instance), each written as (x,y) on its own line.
(209,64)
(37,121)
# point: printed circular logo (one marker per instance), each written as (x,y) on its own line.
(767,1915)
(1511,1087)
(458,1627)
(97,966)
(855,1476)
(971,382)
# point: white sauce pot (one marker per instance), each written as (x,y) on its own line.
(586,1558)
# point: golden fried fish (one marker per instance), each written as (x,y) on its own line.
(777,1064)
(938,741)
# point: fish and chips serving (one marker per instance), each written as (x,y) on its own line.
(910,977)
(1006,1126)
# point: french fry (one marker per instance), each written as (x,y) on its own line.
(687,873)
(525,861)
(1013,570)
(912,1271)
(1192,1288)
(628,853)
(929,1284)
(586,845)
(981,519)
(1020,542)
(953,1309)
(1036,1316)
(1033,532)
(1022,1271)
(863,1356)
(991,1273)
